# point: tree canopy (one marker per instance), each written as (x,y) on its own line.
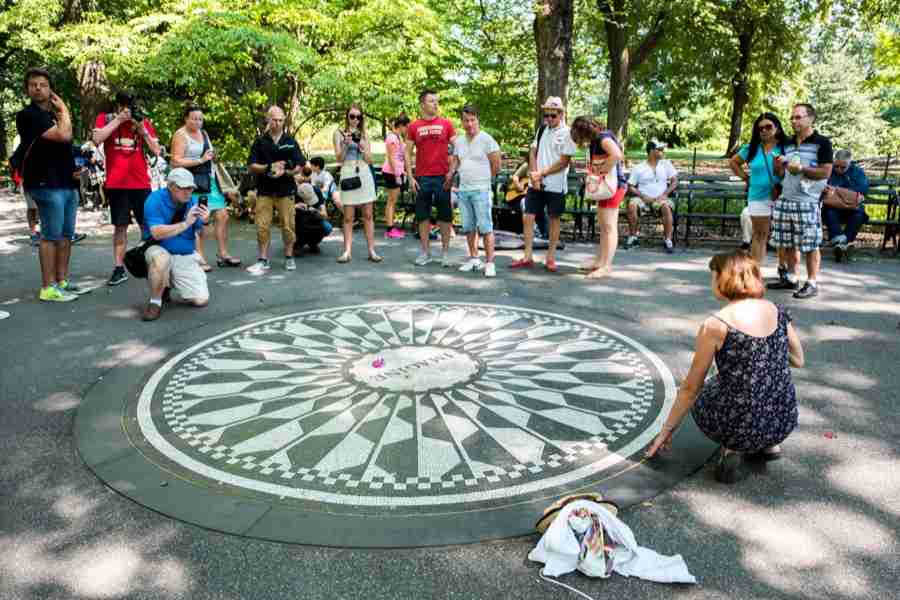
(693,72)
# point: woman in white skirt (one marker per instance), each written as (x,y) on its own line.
(352,151)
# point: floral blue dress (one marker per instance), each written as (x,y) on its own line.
(751,404)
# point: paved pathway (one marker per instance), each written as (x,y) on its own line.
(822,523)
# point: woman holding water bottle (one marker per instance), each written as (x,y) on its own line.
(192,150)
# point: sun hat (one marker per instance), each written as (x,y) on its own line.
(551,511)
(554,103)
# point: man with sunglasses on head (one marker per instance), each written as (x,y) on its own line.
(431,137)
(843,204)
(797,217)
(551,152)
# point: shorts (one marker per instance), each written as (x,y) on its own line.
(475,209)
(655,206)
(536,201)
(124,203)
(184,273)
(29,200)
(797,225)
(760,208)
(432,193)
(615,201)
(57,208)
(391,181)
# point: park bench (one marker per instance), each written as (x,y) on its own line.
(881,206)
(710,200)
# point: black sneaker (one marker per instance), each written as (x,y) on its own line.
(807,291)
(118,276)
(783,283)
(782,272)
(839,253)
(726,470)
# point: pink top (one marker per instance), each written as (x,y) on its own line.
(393,144)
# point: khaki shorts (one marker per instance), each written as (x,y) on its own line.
(184,273)
(655,206)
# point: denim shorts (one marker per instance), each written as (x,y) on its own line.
(432,193)
(56,207)
(475,209)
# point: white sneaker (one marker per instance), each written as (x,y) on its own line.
(259,267)
(490,270)
(473,264)
(445,260)
(423,259)
(290,264)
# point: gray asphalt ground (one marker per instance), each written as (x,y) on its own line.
(821,523)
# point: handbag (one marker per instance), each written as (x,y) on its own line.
(134,259)
(203,173)
(601,187)
(349,184)
(776,187)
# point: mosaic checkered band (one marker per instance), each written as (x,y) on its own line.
(405,406)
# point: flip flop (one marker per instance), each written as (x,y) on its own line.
(375,258)
(521,263)
(551,266)
(228,261)
(204,266)
(343,258)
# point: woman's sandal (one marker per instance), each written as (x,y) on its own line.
(765,455)
(343,258)
(726,470)
(204,266)
(228,261)
(375,258)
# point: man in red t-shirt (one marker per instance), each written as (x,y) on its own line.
(431,137)
(127,177)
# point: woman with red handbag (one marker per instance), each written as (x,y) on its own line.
(606,185)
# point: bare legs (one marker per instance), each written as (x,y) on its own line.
(608,224)
(368,227)
(760,237)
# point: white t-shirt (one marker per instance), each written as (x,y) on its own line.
(555,143)
(474,165)
(652,182)
(323,180)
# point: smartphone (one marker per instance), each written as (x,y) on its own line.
(203,201)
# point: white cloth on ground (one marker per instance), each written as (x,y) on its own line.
(558,549)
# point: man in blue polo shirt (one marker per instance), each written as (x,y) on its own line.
(843,203)
(173,220)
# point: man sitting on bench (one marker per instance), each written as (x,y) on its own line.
(843,203)
(651,182)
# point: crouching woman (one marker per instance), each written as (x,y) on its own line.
(750,406)
(172,219)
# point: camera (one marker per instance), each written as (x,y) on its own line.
(355,137)
(137,112)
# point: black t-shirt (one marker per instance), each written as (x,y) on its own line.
(266,151)
(47,164)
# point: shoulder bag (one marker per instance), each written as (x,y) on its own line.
(134,259)
(776,187)
(202,173)
(600,186)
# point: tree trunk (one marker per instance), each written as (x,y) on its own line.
(739,88)
(4,153)
(93,89)
(624,59)
(553,30)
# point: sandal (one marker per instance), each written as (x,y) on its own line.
(726,470)
(375,258)
(765,455)
(521,263)
(551,266)
(598,273)
(227,261)
(343,258)
(204,266)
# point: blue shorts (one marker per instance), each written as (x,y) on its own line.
(432,193)
(475,209)
(56,207)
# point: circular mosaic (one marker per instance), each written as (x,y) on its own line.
(409,407)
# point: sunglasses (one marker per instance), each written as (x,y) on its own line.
(551,115)
(768,127)
(354,117)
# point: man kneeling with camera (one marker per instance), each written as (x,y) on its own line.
(172,220)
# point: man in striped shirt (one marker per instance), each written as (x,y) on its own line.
(797,218)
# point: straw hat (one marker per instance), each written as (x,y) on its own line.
(551,511)
(554,103)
